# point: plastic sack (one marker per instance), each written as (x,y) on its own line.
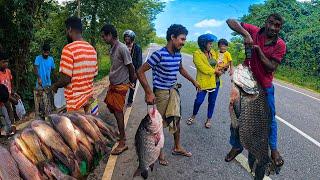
(59,99)
(20,110)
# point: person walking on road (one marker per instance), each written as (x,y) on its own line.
(165,64)
(207,70)
(265,50)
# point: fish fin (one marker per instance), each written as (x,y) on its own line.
(76,169)
(65,160)
(137,173)
(86,154)
(151,167)
(46,151)
(144,173)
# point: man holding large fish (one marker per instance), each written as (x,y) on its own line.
(165,64)
(264,52)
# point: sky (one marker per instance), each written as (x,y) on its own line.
(202,16)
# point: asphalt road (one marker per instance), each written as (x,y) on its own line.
(298,115)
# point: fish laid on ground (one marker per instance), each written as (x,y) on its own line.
(149,140)
(81,122)
(97,129)
(25,149)
(53,172)
(104,128)
(8,166)
(64,126)
(54,141)
(250,115)
(27,169)
(35,146)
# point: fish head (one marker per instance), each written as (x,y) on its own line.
(155,122)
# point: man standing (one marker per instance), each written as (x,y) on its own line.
(121,77)
(165,64)
(4,98)
(136,54)
(43,66)
(267,50)
(78,67)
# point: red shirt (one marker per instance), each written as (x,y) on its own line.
(275,51)
(5,79)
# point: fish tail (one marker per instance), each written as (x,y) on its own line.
(144,173)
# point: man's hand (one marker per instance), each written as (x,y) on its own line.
(150,98)
(39,81)
(54,88)
(13,99)
(248,41)
(231,71)
(197,85)
(132,85)
(218,71)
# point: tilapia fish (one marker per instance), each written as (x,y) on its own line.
(27,169)
(66,129)
(25,149)
(250,115)
(41,152)
(54,141)
(149,140)
(81,122)
(8,166)
(104,128)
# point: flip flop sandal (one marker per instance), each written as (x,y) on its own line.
(190,121)
(185,153)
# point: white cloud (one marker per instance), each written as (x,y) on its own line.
(208,32)
(197,34)
(209,23)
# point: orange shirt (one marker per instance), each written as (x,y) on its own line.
(6,79)
(79,61)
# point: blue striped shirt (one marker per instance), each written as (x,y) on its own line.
(165,68)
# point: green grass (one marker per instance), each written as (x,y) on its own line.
(296,77)
(104,67)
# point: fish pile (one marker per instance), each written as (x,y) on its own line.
(67,139)
(149,140)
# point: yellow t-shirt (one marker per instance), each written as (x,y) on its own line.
(223,59)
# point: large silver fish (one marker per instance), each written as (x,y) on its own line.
(27,169)
(149,140)
(66,129)
(251,117)
(93,135)
(41,152)
(55,142)
(8,166)
(104,128)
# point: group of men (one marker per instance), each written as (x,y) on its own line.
(78,68)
